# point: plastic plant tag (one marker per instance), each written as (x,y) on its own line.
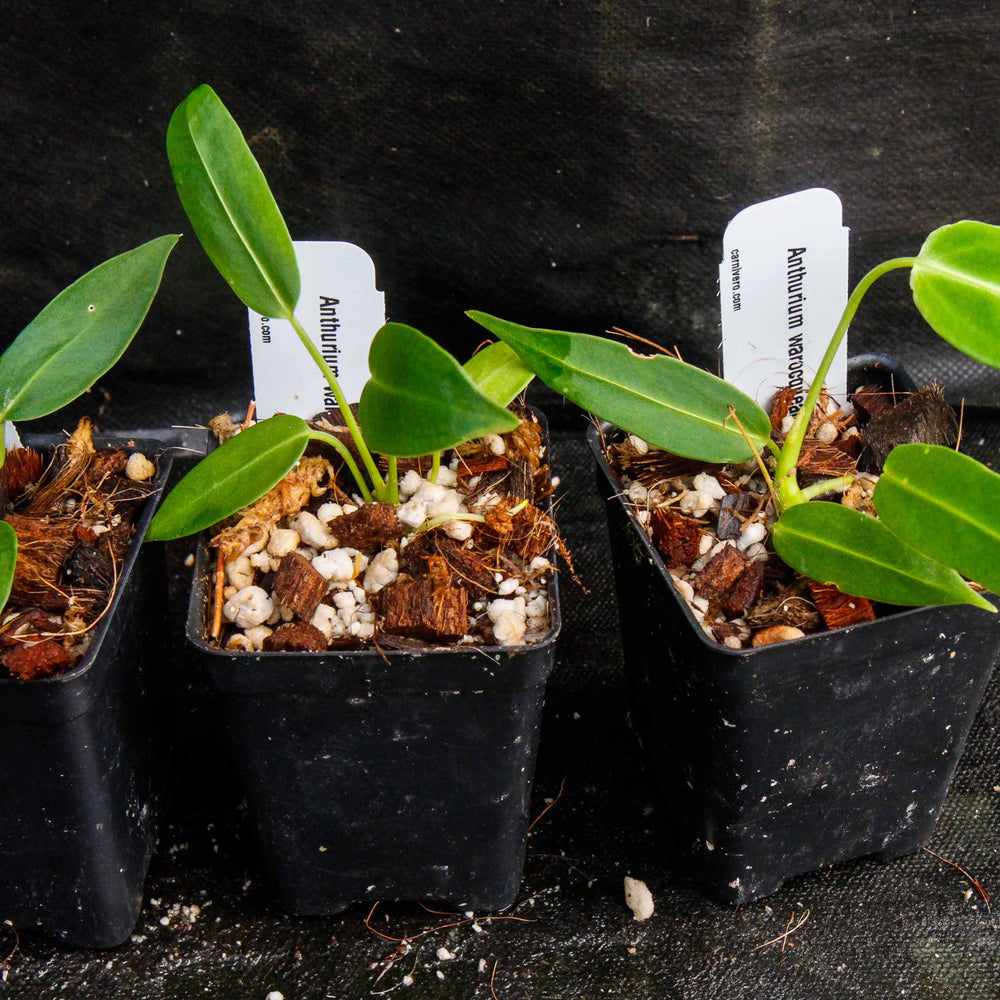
(783,286)
(341,309)
(11,439)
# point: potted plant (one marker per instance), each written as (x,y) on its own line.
(379,664)
(79,625)
(786,757)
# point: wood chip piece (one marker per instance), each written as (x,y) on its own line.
(676,536)
(721,572)
(42,659)
(422,609)
(369,527)
(295,637)
(745,592)
(298,586)
(839,609)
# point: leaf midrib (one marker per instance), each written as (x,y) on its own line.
(652,399)
(289,309)
(962,276)
(904,486)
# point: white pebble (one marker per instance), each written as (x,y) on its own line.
(461,531)
(256,636)
(411,514)
(447,476)
(248,607)
(509,620)
(444,955)
(538,607)
(138,468)
(638,493)
(507,586)
(827,432)
(313,531)
(239,572)
(639,446)
(709,485)
(326,619)
(683,588)
(275,995)
(697,503)
(638,898)
(751,534)
(282,542)
(410,483)
(329,511)
(383,569)
(334,564)
(496,444)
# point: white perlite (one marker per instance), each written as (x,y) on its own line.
(519,615)
(638,898)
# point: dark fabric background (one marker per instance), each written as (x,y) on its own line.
(570,164)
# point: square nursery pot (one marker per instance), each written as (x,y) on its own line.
(78,756)
(783,759)
(384,775)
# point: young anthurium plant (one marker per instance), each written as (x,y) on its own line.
(70,344)
(939,511)
(419,400)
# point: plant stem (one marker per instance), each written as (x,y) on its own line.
(438,519)
(432,476)
(836,483)
(392,480)
(348,458)
(345,410)
(789,493)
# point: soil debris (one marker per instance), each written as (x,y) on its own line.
(74,519)
(463,557)
(712,523)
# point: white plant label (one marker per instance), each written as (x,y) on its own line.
(341,310)
(783,287)
(11,439)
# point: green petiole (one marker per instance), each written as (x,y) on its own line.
(785,476)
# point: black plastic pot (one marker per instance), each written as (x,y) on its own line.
(78,765)
(787,758)
(384,775)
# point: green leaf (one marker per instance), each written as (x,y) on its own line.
(230,206)
(834,544)
(81,333)
(419,399)
(946,505)
(231,477)
(666,402)
(956,286)
(8,560)
(498,372)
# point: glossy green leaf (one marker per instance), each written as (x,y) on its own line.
(419,399)
(81,333)
(498,372)
(831,543)
(8,560)
(230,205)
(666,402)
(231,477)
(956,286)
(946,505)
